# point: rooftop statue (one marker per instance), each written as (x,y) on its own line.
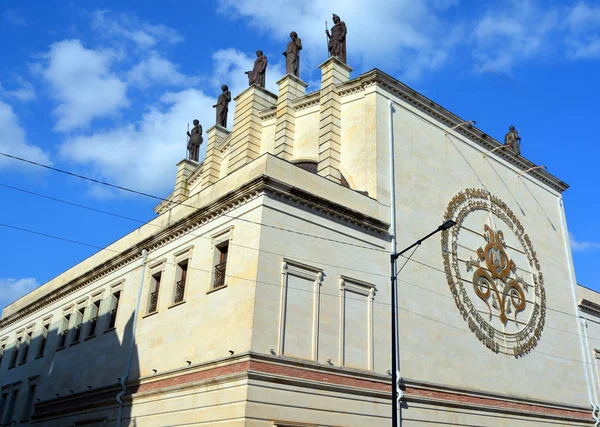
(195,141)
(292,55)
(222,106)
(337,39)
(257,75)
(513,141)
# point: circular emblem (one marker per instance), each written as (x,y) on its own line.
(493,273)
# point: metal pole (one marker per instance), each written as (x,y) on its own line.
(396,392)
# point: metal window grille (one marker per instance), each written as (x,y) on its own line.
(220,274)
(179,291)
(113,318)
(153,301)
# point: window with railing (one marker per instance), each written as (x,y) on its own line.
(43,339)
(154,290)
(25,347)
(182,269)
(94,310)
(15,353)
(64,331)
(2,351)
(221,265)
(114,308)
(79,314)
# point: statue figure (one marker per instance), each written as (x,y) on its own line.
(292,55)
(257,75)
(195,141)
(513,141)
(337,39)
(222,106)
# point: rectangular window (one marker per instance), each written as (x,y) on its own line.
(2,350)
(10,407)
(25,346)
(3,403)
(94,310)
(221,264)
(43,338)
(78,324)
(181,275)
(114,308)
(28,408)
(154,290)
(15,353)
(64,330)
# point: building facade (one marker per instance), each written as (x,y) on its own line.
(260,295)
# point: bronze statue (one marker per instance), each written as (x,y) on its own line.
(513,141)
(257,75)
(337,39)
(222,106)
(195,141)
(292,55)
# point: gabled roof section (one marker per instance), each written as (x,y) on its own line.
(449,119)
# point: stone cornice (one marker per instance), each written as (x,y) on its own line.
(268,114)
(260,185)
(307,101)
(436,111)
(589,307)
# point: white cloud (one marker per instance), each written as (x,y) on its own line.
(155,70)
(518,31)
(24,92)
(143,155)
(13,141)
(583,17)
(13,289)
(143,34)
(397,34)
(583,245)
(83,84)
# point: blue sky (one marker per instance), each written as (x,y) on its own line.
(106,89)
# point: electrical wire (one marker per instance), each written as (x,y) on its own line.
(141,193)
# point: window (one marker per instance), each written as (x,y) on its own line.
(25,346)
(220,264)
(3,401)
(154,289)
(28,407)
(10,406)
(114,308)
(78,324)
(13,356)
(2,350)
(43,338)
(94,310)
(64,330)
(181,276)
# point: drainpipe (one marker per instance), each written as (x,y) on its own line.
(563,225)
(124,378)
(587,346)
(397,393)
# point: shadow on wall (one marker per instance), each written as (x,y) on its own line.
(70,378)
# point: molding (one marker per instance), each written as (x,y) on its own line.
(268,114)
(588,306)
(307,101)
(196,174)
(439,113)
(259,186)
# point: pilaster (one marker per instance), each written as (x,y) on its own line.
(184,170)
(247,125)
(333,73)
(290,88)
(211,169)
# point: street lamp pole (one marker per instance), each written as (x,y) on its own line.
(396,391)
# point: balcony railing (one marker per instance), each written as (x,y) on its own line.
(77,333)
(93,323)
(219,275)
(63,338)
(113,318)
(153,301)
(179,291)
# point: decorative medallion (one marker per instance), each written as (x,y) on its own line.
(493,273)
